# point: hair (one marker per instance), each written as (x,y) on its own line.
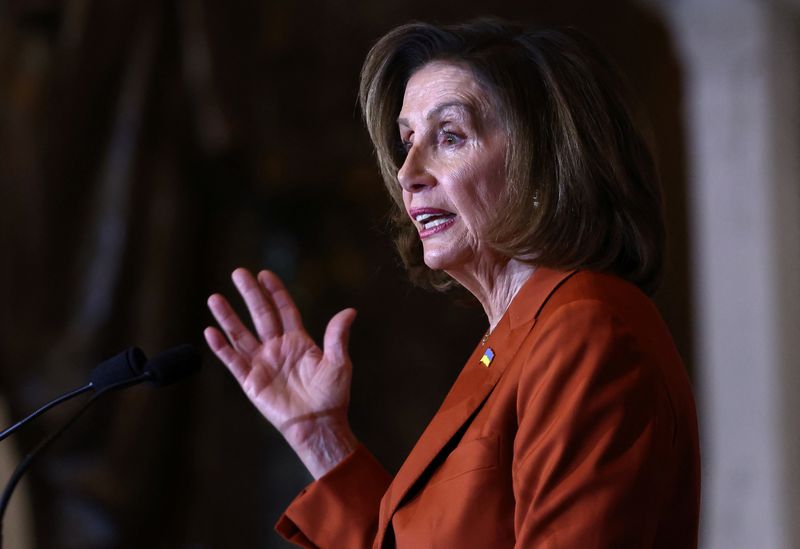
(582,184)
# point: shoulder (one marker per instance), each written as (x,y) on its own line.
(587,370)
(588,333)
(601,321)
(601,288)
(599,339)
(592,305)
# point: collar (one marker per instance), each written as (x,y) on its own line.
(533,295)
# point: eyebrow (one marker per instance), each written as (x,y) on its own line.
(441,107)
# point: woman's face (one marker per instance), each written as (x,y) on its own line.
(454,171)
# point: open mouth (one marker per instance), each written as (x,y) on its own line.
(432,220)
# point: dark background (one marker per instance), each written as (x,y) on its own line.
(147,148)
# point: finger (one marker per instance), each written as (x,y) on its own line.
(337,336)
(290,316)
(239,367)
(240,337)
(259,303)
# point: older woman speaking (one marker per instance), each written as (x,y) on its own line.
(519,174)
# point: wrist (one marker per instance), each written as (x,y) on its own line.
(321,442)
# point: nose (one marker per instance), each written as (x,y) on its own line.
(414,175)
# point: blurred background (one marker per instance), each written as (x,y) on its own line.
(147,148)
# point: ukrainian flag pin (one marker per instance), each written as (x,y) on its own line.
(487,357)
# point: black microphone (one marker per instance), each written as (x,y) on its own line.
(168,367)
(125,365)
(172,365)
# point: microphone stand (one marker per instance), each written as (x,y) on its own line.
(168,367)
(29,458)
(122,366)
(43,409)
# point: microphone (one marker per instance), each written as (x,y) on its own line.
(125,365)
(172,365)
(166,368)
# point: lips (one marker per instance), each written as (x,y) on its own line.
(432,220)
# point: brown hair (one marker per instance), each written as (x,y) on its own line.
(583,189)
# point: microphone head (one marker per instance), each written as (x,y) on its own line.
(121,367)
(173,365)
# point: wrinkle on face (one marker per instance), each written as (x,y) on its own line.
(466,178)
(456,162)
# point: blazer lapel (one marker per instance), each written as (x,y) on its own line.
(471,388)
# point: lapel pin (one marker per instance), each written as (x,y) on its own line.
(487,357)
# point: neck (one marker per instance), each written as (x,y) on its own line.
(495,285)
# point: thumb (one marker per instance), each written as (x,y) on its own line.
(337,335)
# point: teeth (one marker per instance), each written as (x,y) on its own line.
(422,217)
(436,222)
(431,220)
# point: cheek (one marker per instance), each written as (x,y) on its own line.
(476,193)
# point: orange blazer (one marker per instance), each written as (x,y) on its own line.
(573,426)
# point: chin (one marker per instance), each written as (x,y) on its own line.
(445,260)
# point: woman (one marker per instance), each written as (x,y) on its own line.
(518,173)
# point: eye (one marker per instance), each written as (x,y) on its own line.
(402,146)
(450,138)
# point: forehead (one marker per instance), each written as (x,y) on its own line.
(437,84)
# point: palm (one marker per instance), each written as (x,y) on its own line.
(291,379)
(281,370)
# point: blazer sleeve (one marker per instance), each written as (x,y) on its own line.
(341,508)
(592,454)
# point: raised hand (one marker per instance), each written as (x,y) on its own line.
(301,389)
